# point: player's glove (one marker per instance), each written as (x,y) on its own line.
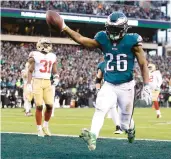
(157,89)
(146,95)
(56,80)
(29,88)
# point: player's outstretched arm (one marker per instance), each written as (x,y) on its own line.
(87,42)
(139,53)
(30,70)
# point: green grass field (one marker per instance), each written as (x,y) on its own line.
(70,122)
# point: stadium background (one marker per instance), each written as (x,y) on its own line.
(23,23)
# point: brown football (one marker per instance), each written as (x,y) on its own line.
(54,20)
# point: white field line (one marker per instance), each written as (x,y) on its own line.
(79,117)
(78,125)
(56,117)
(63,135)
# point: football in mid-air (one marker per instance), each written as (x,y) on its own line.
(54,20)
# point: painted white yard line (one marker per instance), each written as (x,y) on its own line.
(158,122)
(78,125)
(57,117)
(63,135)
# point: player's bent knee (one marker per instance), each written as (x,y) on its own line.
(48,107)
(38,103)
(39,108)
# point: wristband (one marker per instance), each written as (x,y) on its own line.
(65,28)
(98,80)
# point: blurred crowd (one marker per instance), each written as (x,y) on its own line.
(77,69)
(132,9)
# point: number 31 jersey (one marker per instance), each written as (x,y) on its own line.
(43,64)
(119,57)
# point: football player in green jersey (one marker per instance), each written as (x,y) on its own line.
(120,50)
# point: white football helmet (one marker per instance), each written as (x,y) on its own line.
(44,45)
(151,67)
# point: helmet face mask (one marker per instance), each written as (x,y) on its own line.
(116,25)
(115,33)
(44,45)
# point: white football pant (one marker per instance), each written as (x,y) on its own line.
(108,97)
(53,107)
(114,115)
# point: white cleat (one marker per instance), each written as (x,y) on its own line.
(41,133)
(46,131)
(118,130)
(28,114)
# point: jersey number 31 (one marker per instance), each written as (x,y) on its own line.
(121,63)
(46,66)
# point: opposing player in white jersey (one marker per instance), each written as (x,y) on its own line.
(155,82)
(27,96)
(42,64)
(113,112)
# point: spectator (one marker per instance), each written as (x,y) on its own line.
(77,68)
(136,9)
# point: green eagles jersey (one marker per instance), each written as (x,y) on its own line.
(119,58)
(102,67)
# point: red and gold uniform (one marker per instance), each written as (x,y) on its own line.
(42,89)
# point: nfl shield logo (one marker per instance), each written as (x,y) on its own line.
(114,46)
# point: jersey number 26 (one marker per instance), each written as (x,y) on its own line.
(121,64)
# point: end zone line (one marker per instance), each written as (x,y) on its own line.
(101,137)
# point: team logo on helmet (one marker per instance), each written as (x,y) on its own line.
(116,25)
(44,45)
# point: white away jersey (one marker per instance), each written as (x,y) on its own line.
(43,64)
(155,80)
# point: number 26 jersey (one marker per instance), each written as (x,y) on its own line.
(43,64)
(119,57)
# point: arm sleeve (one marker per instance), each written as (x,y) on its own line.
(31,55)
(101,66)
(137,40)
(100,37)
